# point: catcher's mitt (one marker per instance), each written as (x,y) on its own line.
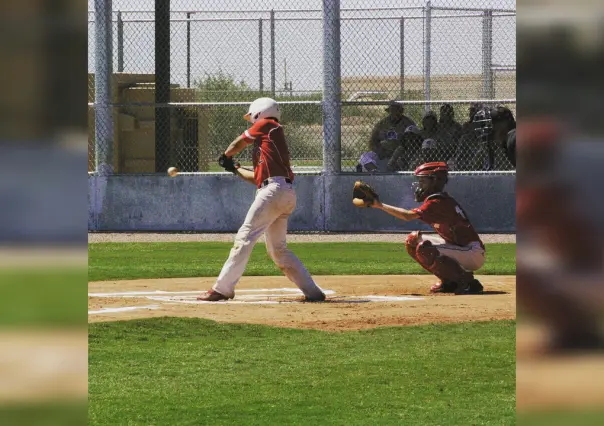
(363,195)
(228,164)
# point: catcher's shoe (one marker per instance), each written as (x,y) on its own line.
(475,287)
(472,287)
(212,296)
(321,298)
(444,287)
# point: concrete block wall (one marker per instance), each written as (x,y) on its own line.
(219,203)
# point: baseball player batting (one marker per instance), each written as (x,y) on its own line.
(457,251)
(274,203)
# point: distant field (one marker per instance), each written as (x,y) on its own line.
(443,87)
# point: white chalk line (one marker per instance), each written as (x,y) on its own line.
(190,298)
(254,301)
(159,292)
(123,309)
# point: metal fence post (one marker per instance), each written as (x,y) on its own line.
(103,130)
(260,64)
(332,108)
(120,42)
(488,91)
(162,85)
(188,49)
(273,52)
(427,52)
(402,53)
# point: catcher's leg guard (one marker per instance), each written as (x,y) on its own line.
(445,268)
(411,243)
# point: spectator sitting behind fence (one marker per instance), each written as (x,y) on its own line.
(388,132)
(466,156)
(496,128)
(468,127)
(449,130)
(504,132)
(429,152)
(408,151)
(430,126)
(373,161)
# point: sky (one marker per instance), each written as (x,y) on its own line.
(368,47)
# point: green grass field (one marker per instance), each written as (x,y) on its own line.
(115,261)
(184,371)
(173,371)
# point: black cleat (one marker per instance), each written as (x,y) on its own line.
(321,298)
(473,287)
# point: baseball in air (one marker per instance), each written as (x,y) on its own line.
(172,171)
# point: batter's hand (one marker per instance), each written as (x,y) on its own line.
(228,164)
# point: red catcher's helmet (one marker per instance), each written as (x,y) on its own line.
(438,173)
(431,169)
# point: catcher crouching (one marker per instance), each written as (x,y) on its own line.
(457,251)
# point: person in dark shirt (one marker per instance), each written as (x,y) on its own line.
(497,129)
(387,134)
(467,155)
(404,156)
(449,130)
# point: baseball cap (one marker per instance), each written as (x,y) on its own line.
(369,158)
(429,144)
(413,129)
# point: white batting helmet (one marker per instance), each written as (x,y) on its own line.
(263,108)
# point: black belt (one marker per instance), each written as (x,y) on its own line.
(266,182)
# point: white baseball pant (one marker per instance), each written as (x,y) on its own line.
(268,214)
(470,257)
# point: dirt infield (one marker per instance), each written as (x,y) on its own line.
(353,302)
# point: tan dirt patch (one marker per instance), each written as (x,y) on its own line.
(347,309)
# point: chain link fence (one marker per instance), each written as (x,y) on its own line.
(437,58)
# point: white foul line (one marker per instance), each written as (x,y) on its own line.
(124,309)
(189,297)
(199,292)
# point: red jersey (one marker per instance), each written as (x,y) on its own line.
(270,155)
(448,219)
